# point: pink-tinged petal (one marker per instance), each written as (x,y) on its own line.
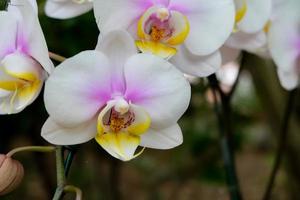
(161,2)
(166,138)
(245,41)
(118,46)
(211,23)
(59,135)
(78,88)
(200,66)
(118,14)
(66,9)
(8,33)
(158,86)
(30,35)
(288,79)
(257,15)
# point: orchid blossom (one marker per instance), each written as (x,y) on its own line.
(252,21)
(120,98)
(284,41)
(65,9)
(188,32)
(24,60)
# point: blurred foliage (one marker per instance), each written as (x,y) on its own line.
(192,171)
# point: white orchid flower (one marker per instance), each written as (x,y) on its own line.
(24,60)
(120,98)
(65,9)
(250,31)
(284,42)
(192,29)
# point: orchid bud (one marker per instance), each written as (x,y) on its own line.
(11,174)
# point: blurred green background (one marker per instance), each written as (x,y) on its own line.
(194,170)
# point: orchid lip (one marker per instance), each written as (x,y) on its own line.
(160,30)
(22,79)
(120,125)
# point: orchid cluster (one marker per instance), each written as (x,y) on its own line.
(130,91)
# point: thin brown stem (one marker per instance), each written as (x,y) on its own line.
(56,57)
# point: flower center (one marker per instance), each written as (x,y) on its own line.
(160,30)
(117,121)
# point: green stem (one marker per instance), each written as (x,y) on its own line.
(68,162)
(42,149)
(60,172)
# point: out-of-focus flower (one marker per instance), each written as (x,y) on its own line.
(228,75)
(251,26)
(11,174)
(120,98)
(24,60)
(284,41)
(192,29)
(252,17)
(65,9)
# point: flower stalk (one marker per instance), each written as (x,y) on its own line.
(42,149)
(73,189)
(223,112)
(282,139)
(60,174)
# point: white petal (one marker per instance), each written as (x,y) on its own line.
(78,88)
(242,40)
(30,35)
(288,79)
(4,93)
(66,9)
(117,14)
(8,33)
(118,46)
(167,138)
(58,135)
(191,64)
(34,5)
(211,23)
(257,15)
(158,86)
(284,41)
